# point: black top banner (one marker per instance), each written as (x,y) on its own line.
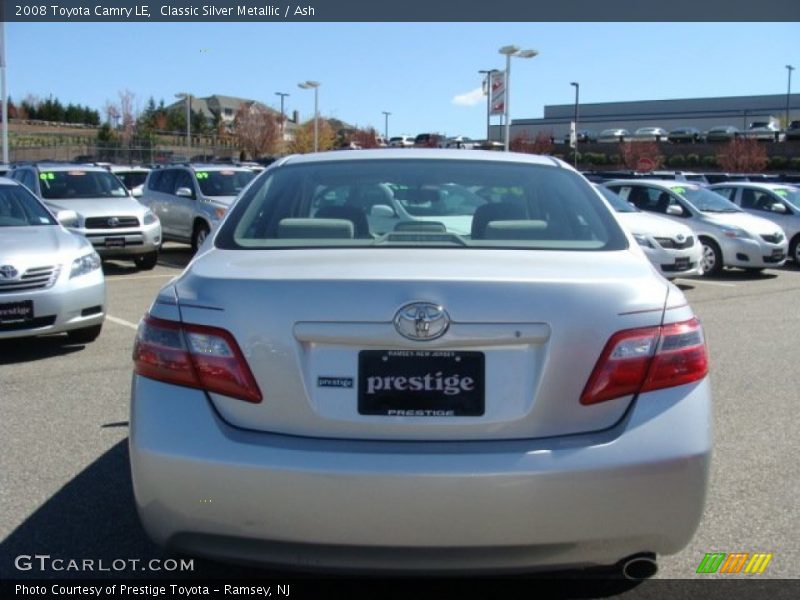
(144,11)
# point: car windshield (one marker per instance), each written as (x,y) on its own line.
(616,201)
(20,208)
(227,182)
(705,200)
(421,203)
(790,194)
(77,184)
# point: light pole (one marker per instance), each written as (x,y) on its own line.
(283,117)
(386,126)
(577,87)
(789,68)
(307,85)
(488,73)
(4,90)
(510,51)
(188,98)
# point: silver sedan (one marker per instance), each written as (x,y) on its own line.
(312,392)
(50,278)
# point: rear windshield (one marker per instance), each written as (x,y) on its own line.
(223,183)
(20,208)
(76,184)
(421,203)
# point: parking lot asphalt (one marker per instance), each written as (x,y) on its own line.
(65,486)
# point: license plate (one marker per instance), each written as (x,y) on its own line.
(16,312)
(681,264)
(420,383)
(115,242)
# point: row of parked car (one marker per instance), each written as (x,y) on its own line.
(768,130)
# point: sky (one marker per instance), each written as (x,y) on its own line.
(424,74)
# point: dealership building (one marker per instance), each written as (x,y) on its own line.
(701,113)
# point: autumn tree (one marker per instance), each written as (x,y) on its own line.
(634,153)
(303,141)
(256,129)
(542,143)
(742,155)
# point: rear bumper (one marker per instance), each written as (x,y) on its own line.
(204,487)
(673,263)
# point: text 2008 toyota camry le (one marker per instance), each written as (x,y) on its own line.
(426,359)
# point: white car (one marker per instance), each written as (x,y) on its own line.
(613,135)
(655,134)
(730,237)
(672,247)
(530,394)
(133,176)
(50,278)
(401,141)
(776,202)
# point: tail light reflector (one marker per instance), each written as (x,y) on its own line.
(197,356)
(652,358)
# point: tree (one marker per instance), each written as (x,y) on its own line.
(303,141)
(128,123)
(632,154)
(364,138)
(742,155)
(541,144)
(256,130)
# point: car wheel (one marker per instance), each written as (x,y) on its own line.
(85,335)
(147,261)
(712,257)
(199,236)
(794,250)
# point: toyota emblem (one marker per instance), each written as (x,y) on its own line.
(113,222)
(422,321)
(8,272)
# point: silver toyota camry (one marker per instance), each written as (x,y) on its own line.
(324,388)
(50,278)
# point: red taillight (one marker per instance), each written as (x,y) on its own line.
(194,356)
(641,360)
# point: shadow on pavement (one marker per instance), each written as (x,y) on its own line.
(20,350)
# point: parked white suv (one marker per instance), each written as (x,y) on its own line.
(107,215)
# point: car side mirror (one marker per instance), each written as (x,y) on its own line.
(184,192)
(779,208)
(382,210)
(68,218)
(674,210)
(137,192)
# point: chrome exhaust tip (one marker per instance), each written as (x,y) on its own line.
(639,567)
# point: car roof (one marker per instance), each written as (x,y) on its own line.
(756,184)
(424,153)
(56,166)
(665,183)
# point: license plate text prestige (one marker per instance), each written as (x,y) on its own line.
(15,312)
(420,383)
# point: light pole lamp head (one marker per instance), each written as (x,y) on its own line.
(527,53)
(790,67)
(509,50)
(574,83)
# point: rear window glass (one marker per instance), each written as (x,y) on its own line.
(421,203)
(76,184)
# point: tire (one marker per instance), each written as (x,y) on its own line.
(199,235)
(794,250)
(146,262)
(712,257)
(85,335)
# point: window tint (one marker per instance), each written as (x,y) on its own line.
(166,183)
(757,200)
(183,180)
(223,183)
